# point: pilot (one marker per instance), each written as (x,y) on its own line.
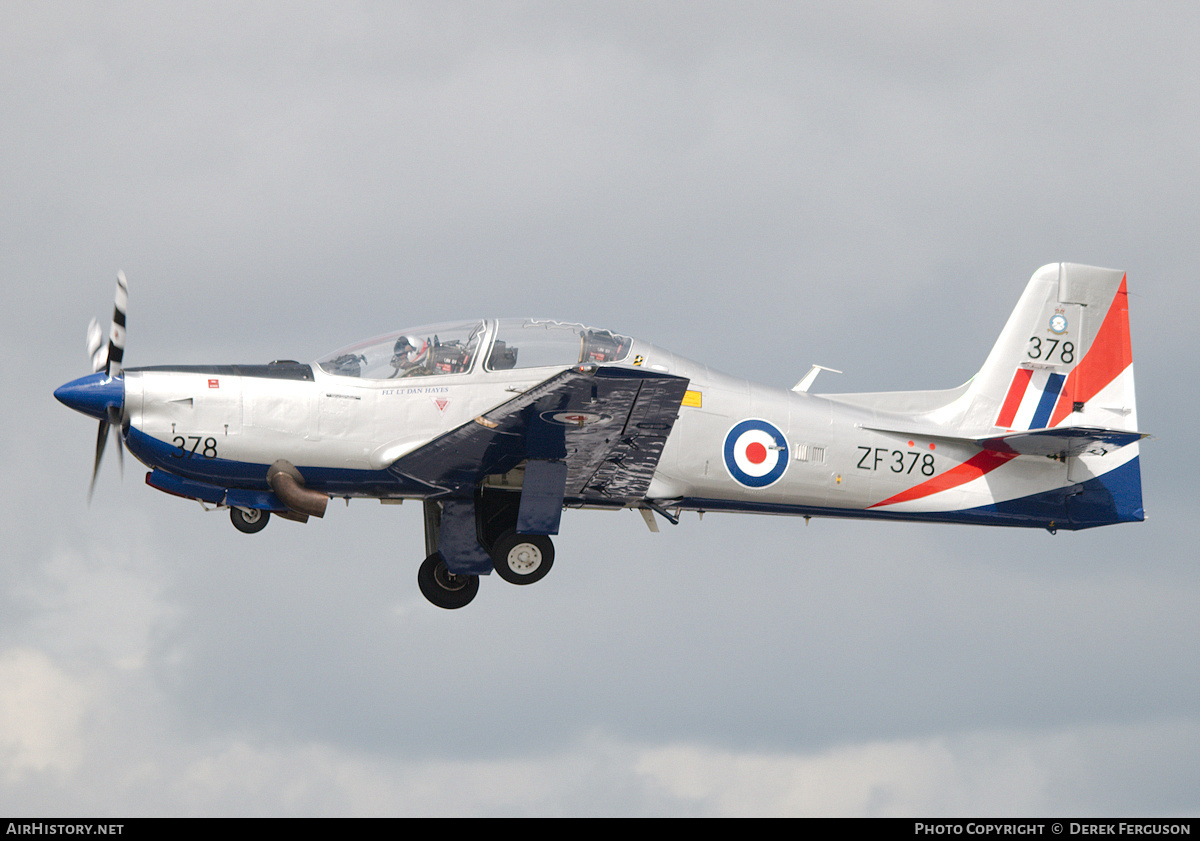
(409,355)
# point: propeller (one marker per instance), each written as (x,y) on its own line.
(111,358)
(101,394)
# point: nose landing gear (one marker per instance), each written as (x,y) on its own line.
(249,520)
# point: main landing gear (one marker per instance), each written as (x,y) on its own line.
(517,558)
(446,589)
(522,558)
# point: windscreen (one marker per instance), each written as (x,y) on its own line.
(417,352)
(535,343)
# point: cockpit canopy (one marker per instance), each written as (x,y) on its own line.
(455,348)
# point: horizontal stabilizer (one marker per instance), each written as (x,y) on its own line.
(1061,441)
(1058,442)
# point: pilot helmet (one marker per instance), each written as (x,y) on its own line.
(407,349)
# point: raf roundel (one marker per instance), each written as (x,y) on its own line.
(756,453)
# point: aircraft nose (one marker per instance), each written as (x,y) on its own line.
(93,395)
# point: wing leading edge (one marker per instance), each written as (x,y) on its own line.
(607,425)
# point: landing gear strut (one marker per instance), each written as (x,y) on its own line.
(446,589)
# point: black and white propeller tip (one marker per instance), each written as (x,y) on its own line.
(109,357)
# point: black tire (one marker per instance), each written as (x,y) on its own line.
(446,589)
(250,521)
(522,558)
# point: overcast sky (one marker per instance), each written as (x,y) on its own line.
(761,186)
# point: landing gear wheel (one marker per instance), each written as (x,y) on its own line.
(249,520)
(446,589)
(522,558)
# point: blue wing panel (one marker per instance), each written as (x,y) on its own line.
(607,425)
(542,495)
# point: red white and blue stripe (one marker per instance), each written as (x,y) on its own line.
(1031,399)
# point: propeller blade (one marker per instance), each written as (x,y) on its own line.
(97,350)
(114,419)
(101,440)
(108,359)
(116,334)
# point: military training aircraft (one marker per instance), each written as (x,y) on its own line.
(498,425)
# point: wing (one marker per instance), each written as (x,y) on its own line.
(606,425)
